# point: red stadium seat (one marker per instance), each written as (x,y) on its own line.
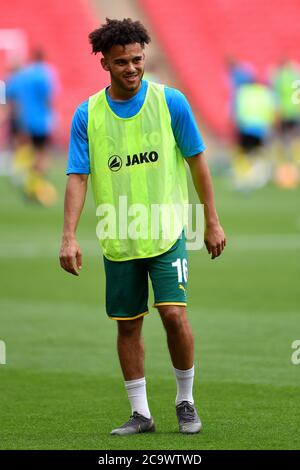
(198,35)
(61,29)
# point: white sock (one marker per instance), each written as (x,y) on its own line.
(136,390)
(184,379)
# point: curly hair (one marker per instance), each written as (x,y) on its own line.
(118,32)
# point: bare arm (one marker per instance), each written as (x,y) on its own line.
(70,254)
(215,240)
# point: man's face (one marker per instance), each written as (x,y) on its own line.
(125,65)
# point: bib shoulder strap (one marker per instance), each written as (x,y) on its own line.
(93,99)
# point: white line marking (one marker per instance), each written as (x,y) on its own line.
(50,249)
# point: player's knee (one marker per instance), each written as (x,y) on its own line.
(173,318)
(129,328)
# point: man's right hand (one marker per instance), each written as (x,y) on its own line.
(70,256)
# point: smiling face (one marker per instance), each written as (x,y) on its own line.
(126,67)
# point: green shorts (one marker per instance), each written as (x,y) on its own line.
(127,282)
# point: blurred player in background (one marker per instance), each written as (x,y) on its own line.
(284,80)
(254,116)
(131,137)
(14,131)
(30,92)
(239,74)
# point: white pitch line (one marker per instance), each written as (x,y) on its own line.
(50,249)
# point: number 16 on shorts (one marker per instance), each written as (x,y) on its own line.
(182,269)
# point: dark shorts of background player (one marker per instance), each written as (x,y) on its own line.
(40,141)
(13,127)
(127,282)
(249,142)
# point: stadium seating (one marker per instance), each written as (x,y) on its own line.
(61,29)
(198,36)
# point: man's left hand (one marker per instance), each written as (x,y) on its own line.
(215,240)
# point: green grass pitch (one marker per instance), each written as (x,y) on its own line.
(62,387)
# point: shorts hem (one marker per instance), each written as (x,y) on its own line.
(129,318)
(157,304)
